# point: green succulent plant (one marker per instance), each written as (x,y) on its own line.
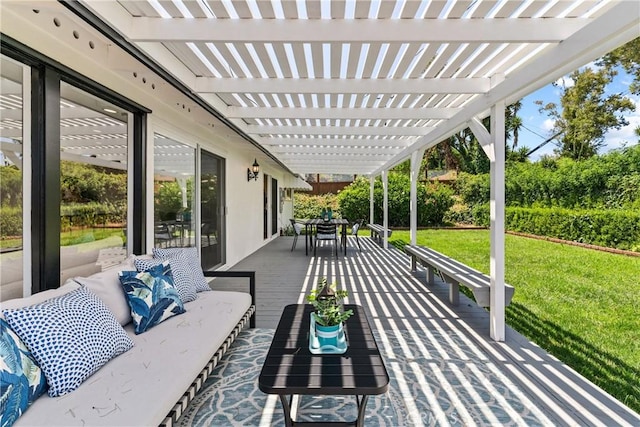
(326,300)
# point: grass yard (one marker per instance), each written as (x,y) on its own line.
(581,305)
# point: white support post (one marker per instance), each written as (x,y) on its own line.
(372,181)
(497,206)
(385,207)
(416,161)
(182,183)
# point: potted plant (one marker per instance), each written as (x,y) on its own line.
(329,312)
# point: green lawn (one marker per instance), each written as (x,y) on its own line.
(581,305)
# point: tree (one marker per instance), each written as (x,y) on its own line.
(433,201)
(462,151)
(513,123)
(586,113)
(628,57)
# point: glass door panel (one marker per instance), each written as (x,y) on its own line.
(212,223)
(93,182)
(11,167)
(174,173)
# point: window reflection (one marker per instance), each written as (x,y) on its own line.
(93,183)
(174,172)
(11,176)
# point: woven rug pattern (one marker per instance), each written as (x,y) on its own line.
(429,386)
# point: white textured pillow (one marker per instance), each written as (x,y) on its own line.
(106,285)
(191,255)
(70,337)
(183,277)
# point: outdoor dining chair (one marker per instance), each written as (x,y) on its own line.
(326,232)
(354,231)
(297,229)
(163,234)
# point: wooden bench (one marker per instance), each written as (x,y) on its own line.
(455,273)
(378,231)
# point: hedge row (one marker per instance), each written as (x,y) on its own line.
(91,214)
(10,221)
(611,228)
(75,214)
(433,201)
(608,181)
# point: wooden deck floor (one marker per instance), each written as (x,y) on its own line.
(397,300)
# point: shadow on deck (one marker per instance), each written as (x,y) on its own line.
(448,369)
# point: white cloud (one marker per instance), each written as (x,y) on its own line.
(547,124)
(565,81)
(616,138)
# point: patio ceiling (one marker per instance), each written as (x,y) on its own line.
(354,87)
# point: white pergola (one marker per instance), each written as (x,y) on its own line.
(356,87)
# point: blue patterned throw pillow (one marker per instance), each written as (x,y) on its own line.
(193,261)
(70,337)
(21,379)
(180,270)
(152,296)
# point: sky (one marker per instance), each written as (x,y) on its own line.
(537,126)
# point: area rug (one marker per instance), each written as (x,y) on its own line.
(424,389)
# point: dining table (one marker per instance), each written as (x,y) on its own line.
(310,224)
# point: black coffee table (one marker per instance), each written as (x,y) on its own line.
(291,369)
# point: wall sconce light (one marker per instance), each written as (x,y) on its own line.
(253,172)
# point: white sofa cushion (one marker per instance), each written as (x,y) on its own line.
(139,387)
(106,285)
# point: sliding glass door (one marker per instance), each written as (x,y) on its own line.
(212,221)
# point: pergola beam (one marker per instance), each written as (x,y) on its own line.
(516,30)
(339,130)
(323,151)
(342,86)
(332,142)
(338,113)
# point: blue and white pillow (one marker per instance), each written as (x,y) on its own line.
(21,379)
(70,337)
(181,271)
(193,259)
(152,296)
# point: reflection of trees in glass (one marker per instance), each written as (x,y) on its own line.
(81,183)
(209,191)
(11,203)
(91,195)
(10,186)
(168,199)
(209,188)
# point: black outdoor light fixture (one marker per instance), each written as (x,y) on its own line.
(253,172)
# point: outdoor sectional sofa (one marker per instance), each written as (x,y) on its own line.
(152,382)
